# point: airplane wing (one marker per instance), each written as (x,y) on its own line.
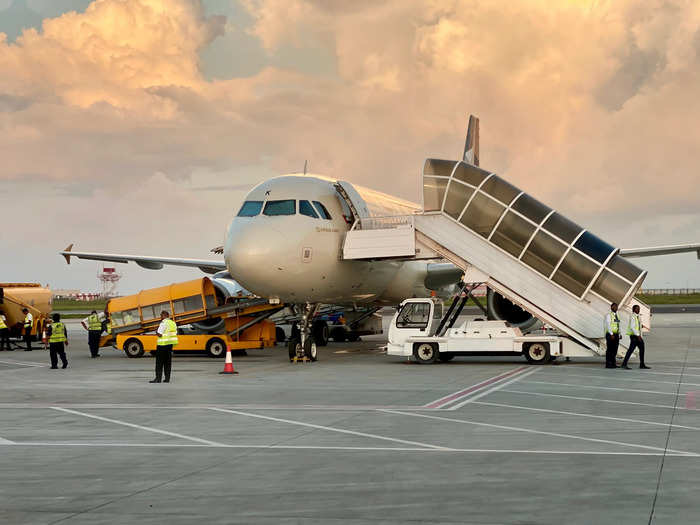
(660,250)
(151,263)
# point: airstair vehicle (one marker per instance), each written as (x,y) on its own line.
(502,237)
(196,303)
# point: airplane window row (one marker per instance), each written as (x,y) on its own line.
(284,207)
(528,230)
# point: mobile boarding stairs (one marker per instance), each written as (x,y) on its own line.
(520,248)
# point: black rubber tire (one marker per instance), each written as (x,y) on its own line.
(353,337)
(216,347)
(425,353)
(292,348)
(446,357)
(536,353)
(133,348)
(310,349)
(339,335)
(320,332)
(279,335)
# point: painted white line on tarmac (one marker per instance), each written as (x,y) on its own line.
(22,363)
(332,429)
(494,389)
(600,376)
(459,394)
(595,387)
(598,399)
(142,406)
(361,449)
(580,414)
(542,432)
(132,425)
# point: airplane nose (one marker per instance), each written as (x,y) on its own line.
(253,253)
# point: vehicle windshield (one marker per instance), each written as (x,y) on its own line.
(286,207)
(250,209)
(414,315)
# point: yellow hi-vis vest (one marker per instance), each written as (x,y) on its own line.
(2,324)
(109,327)
(94,322)
(634,323)
(169,337)
(58,333)
(614,323)
(27,321)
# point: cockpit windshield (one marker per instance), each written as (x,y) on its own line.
(286,207)
(250,208)
(322,211)
(305,208)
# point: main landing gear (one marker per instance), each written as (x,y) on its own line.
(305,347)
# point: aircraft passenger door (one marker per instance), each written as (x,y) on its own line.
(352,198)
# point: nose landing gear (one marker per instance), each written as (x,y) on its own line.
(304,348)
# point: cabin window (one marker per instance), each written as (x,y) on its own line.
(531,208)
(594,247)
(575,273)
(611,286)
(513,233)
(457,197)
(322,211)
(188,304)
(562,227)
(625,268)
(275,208)
(414,315)
(250,209)
(305,208)
(433,192)
(500,189)
(147,313)
(544,253)
(482,214)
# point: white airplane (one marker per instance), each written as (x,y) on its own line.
(286,244)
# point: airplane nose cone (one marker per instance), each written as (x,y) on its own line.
(253,255)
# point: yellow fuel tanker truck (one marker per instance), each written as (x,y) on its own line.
(14,297)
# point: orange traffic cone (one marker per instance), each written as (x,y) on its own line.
(228,367)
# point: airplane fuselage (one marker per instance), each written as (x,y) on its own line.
(286,243)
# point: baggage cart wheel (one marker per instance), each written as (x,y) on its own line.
(133,348)
(310,349)
(536,353)
(216,347)
(425,353)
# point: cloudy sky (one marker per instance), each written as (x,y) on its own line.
(137,126)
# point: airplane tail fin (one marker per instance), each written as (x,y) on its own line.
(471,146)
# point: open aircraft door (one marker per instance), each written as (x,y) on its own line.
(357,205)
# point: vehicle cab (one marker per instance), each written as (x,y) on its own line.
(413,318)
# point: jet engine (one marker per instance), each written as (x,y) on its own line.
(502,309)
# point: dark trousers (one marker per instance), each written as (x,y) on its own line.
(4,339)
(635,342)
(94,342)
(164,360)
(56,350)
(612,341)
(28,338)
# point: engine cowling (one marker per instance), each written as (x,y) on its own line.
(502,309)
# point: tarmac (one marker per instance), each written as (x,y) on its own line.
(358,437)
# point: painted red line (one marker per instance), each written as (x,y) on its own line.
(448,399)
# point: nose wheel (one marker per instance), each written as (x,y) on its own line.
(305,349)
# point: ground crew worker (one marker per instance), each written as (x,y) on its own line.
(4,334)
(58,340)
(27,326)
(93,325)
(612,336)
(167,338)
(634,330)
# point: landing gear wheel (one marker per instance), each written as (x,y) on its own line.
(310,350)
(446,357)
(537,353)
(425,353)
(133,348)
(279,335)
(338,335)
(294,348)
(320,332)
(216,347)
